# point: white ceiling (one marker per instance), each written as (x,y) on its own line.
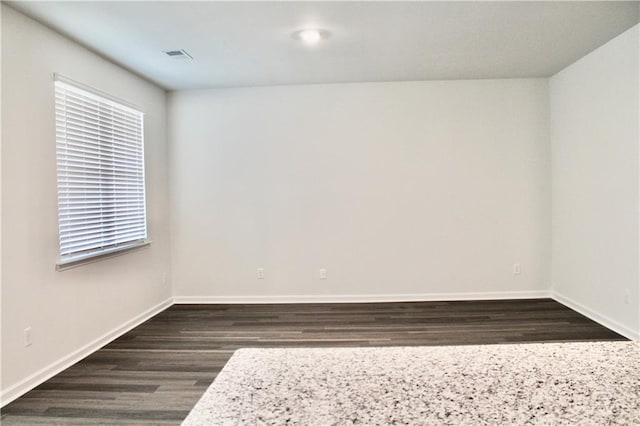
(249,43)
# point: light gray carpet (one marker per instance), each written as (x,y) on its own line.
(549,383)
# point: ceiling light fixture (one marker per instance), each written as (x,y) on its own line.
(310,36)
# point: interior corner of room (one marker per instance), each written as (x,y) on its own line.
(446,189)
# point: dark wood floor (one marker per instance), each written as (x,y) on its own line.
(157,372)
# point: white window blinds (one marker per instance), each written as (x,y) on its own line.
(100,164)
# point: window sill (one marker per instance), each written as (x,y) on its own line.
(80,260)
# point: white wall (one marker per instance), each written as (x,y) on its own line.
(412,189)
(66,310)
(594,143)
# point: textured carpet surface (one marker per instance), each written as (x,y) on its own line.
(548,383)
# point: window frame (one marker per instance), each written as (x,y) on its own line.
(100,251)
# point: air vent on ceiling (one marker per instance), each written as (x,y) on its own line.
(177,54)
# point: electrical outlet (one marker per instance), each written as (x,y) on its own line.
(260,273)
(626,296)
(27,337)
(516,269)
(323,274)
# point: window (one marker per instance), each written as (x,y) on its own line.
(100,166)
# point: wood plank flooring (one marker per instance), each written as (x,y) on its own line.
(155,373)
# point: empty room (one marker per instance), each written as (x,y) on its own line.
(320,213)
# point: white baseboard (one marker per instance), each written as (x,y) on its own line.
(24,386)
(597,317)
(362,298)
